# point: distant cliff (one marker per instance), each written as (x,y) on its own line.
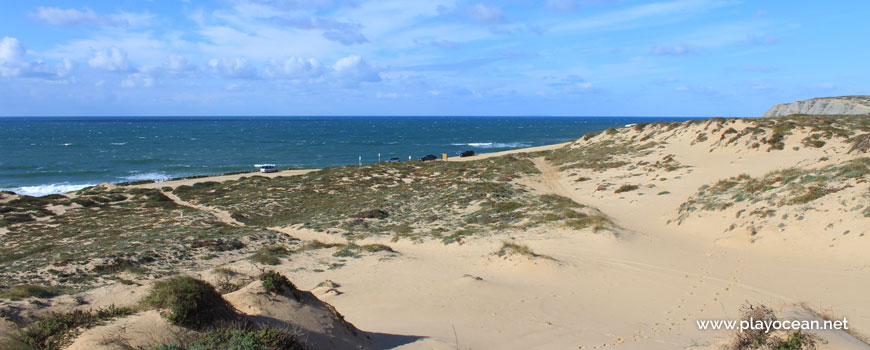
(823,106)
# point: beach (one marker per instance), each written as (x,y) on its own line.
(641,281)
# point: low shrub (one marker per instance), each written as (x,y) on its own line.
(277,283)
(597,222)
(753,338)
(514,248)
(56,330)
(189,302)
(372,214)
(626,188)
(22,291)
(238,339)
(269,255)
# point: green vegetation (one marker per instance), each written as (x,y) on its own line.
(270,255)
(116,231)
(779,188)
(277,283)
(408,200)
(352,250)
(604,154)
(626,188)
(242,338)
(22,291)
(752,339)
(508,248)
(794,341)
(376,199)
(596,222)
(188,302)
(55,331)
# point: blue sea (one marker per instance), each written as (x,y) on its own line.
(45,155)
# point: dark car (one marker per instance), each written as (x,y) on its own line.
(393,160)
(429,157)
(467,153)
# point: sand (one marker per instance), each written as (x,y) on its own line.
(640,286)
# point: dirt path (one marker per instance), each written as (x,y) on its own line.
(221,215)
(551,180)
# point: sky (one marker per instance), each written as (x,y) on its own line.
(435,57)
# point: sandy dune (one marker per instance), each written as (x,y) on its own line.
(642,285)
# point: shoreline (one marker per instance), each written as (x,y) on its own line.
(190,180)
(293,172)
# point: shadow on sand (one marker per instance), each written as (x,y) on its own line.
(389,341)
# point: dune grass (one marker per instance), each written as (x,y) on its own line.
(22,291)
(56,330)
(781,188)
(188,302)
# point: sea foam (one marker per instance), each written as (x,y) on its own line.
(44,190)
(156,176)
(493,144)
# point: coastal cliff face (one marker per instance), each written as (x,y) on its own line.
(843,105)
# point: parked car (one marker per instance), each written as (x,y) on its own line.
(467,153)
(394,160)
(267,168)
(429,157)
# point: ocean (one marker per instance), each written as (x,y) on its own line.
(45,155)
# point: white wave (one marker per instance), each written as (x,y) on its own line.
(66,144)
(44,190)
(156,176)
(119,143)
(630,125)
(493,144)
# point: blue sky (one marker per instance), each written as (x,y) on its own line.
(389,57)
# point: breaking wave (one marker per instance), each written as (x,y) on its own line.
(44,190)
(494,144)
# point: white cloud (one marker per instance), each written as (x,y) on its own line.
(354,68)
(112,59)
(11,57)
(87,17)
(233,68)
(295,68)
(13,63)
(175,66)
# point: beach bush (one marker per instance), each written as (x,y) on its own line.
(55,331)
(277,283)
(372,214)
(188,302)
(597,222)
(626,188)
(237,338)
(270,255)
(22,291)
(315,244)
(508,248)
(753,338)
